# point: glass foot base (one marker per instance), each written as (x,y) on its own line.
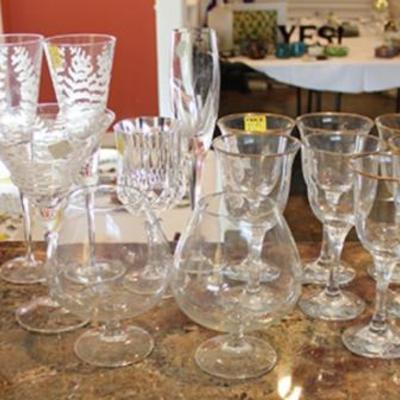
(253,358)
(362,341)
(395,275)
(132,345)
(240,272)
(317,273)
(43,315)
(22,271)
(343,307)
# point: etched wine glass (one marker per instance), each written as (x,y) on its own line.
(80,66)
(20,67)
(377,211)
(317,271)
(44,157)
(195,91)
(330,183)
(109,300)
(222,229)
(260,166)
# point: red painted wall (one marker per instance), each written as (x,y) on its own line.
(134,82)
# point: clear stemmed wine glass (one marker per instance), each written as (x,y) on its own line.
(109,299)
(151,160)
(317,271)
(221,228)
(20,66)
(377,210)
(330,192)
(261,123)
(388,126)
(260,166)
(195,89)
(44,157)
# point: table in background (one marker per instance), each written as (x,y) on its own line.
(359,72)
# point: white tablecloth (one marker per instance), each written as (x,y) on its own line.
(359,72)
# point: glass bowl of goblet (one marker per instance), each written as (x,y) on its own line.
(107,298)
(224,229)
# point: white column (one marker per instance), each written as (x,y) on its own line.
(170,14)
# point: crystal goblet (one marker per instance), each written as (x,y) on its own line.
(260,166)
(317,271)
(377,210)
(330,193)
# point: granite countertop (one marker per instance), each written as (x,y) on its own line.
(313,364)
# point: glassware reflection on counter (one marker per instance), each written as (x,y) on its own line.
(44,157)
(260,123)
(222,229)
(195,92)
(260,166)
(21,62)
(317,271)
(330,193)
(109,298)
(376,194)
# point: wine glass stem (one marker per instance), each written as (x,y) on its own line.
(91,227)
(195,178)
(26,211)
(112,331)
(325,254)
(253,283)
(384,268)
(336,236)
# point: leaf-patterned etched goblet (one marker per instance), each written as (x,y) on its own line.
(44,157)
(20,65)
(80,66)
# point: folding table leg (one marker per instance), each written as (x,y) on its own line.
(310,101)
(299,103)
(398,101)
(319,101)
(338,101)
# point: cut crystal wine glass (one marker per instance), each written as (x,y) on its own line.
(108,299)
(44,157)
(151,159)
(330,193)
(20,66)
(260,166)
(317,271)
(377,211)
(195,89)
(222,229)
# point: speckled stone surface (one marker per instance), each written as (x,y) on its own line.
(313,364)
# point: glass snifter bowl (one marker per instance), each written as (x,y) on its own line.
(224,230)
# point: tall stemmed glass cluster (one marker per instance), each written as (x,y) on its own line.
(45,146)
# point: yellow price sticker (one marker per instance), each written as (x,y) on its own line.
(120,145)
(255,123)
(56,56)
